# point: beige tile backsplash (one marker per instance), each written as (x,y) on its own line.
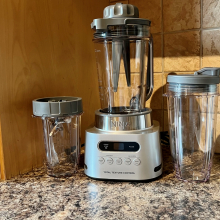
(211,48)
(186,37)
(157,38)
(181,15)
(152,10)
(211,16)
(182,51)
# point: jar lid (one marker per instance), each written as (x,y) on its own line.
(207,75)
(119,14)
(57,106)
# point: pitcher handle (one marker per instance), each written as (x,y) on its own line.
(150,73)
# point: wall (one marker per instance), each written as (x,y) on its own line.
(186,38)
(46,49)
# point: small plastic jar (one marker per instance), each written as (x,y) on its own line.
(192,102)
(61,117)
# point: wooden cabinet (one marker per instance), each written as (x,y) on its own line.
(46,49)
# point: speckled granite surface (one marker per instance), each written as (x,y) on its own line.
(37,196)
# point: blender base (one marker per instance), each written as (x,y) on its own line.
(125,155)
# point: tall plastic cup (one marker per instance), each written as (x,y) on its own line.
(192,102)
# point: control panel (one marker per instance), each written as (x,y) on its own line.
(119,146)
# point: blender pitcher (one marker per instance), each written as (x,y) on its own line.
(192,102)
(124,58)
(61,117)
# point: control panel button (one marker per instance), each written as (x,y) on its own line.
(109,160)
(136,161)
(118,161)
(127,161)
(101,160)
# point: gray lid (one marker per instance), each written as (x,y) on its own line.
(207,75)
(57,106)
(119,14)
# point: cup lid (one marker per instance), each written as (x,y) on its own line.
(57,106)
(207,75)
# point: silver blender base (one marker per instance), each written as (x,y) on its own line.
(144,163)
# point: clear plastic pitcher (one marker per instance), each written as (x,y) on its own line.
(61,117)
(192,112)
(124,58)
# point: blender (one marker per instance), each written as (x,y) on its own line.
(124,144)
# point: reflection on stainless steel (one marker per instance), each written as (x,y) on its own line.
(123,122)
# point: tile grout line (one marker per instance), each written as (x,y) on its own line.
(183,71)
(201,33)
(162,49)
(190,30)
(162,36)
(211,28)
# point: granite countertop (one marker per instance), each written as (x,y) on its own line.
(37,196)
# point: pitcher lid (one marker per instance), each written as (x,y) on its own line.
(119,14)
